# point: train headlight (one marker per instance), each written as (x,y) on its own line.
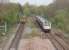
(46,27)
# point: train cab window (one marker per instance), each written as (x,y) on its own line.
(46,23)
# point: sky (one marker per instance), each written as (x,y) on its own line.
(33,2)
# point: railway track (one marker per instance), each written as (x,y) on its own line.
(57,41)
(15,42)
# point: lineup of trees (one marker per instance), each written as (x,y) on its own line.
(61,14)
(8,13)
(57,12)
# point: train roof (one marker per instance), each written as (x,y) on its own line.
(42,19)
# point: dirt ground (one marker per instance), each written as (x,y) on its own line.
(36,44)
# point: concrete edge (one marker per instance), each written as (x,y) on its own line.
(11,39)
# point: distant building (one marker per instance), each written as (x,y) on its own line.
(4,1)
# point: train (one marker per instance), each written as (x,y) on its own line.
(44,23)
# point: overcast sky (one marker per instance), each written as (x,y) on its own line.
(34,2)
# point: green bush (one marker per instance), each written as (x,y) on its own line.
(60,20)
(9,13)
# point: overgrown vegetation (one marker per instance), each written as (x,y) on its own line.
(8,13)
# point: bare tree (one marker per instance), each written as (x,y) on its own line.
(61,3)
(4,1)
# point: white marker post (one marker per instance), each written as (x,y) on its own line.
(5,26)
